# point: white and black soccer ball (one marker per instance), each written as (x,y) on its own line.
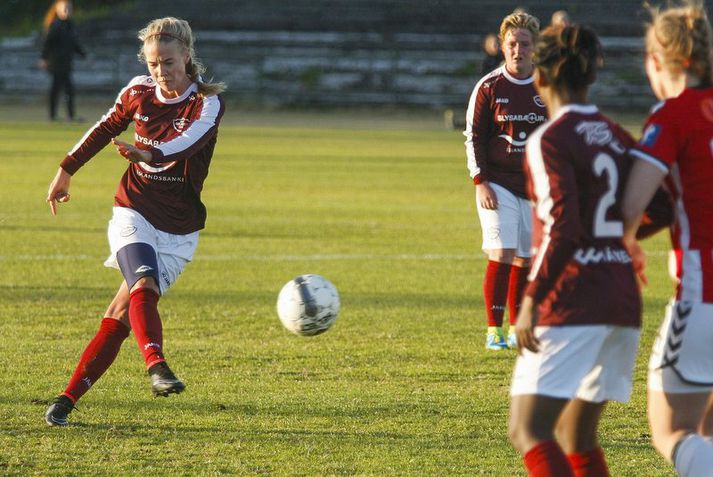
(308,305)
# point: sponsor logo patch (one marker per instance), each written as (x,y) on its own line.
(651,134)
(707,109)
(530,118)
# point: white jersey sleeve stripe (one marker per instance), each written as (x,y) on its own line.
(468,133)
(137,80)
(198,129)
(650,159)
(543,195)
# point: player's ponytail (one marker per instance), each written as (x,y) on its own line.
(682,38)
(568,56)
(170,29)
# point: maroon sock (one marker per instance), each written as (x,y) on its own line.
(495,291)
(589,464)
(146,323)
(97,357)
(546,459)
(516,287)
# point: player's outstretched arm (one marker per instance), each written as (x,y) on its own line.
(58,190)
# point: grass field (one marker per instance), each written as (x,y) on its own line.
(401,385)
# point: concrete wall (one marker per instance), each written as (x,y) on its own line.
(321,68)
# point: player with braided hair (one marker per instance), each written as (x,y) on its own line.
(676,149)
(158,211)
(578,325)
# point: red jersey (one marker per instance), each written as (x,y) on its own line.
(179,132)
(502,113)
(576,166)
(678,138)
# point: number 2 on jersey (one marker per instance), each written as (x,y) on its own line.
(604,163)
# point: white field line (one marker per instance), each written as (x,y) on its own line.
(280,258)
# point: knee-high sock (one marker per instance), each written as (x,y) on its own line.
(546,459)
(589,464)
(97,357)
(146,323)
(516,287)
(495,291)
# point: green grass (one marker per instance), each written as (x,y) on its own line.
(401,385)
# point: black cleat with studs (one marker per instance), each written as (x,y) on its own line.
(58,412)
(163,381)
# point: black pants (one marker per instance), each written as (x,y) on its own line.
(62,80)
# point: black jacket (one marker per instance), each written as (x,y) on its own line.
(60,45)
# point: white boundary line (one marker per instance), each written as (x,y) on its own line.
(281,258)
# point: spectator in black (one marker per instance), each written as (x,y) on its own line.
(60,44)
(493,55)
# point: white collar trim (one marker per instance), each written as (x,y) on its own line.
(512,79)
(190,90)
(575,108)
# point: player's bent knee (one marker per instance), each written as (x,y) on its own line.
(520,437)
(501,255)
(146,282)
(139,265)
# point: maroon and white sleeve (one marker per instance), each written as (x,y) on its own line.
(556,206)
(478,121)
(113,123)
(195,137)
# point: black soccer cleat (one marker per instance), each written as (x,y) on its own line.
(163,381)
(58,412)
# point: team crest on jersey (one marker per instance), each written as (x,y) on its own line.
(651,134)
(538,101)
(180,124)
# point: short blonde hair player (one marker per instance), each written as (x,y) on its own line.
(503,110)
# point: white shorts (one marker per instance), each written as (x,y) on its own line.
(682,355)
(173,251)
(509,226)
(590,362)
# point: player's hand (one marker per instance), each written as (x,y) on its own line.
(638,260)
(131,152)
(42,64)
(525,326)
(485,195)
(58,190)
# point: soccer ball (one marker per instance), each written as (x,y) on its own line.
(308,305)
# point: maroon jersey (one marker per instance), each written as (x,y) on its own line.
(678,139)
(502,112)
(577,165)
(179,132)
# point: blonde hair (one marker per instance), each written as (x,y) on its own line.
(682,36)
(170,29)
(520,20)
(51,14)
